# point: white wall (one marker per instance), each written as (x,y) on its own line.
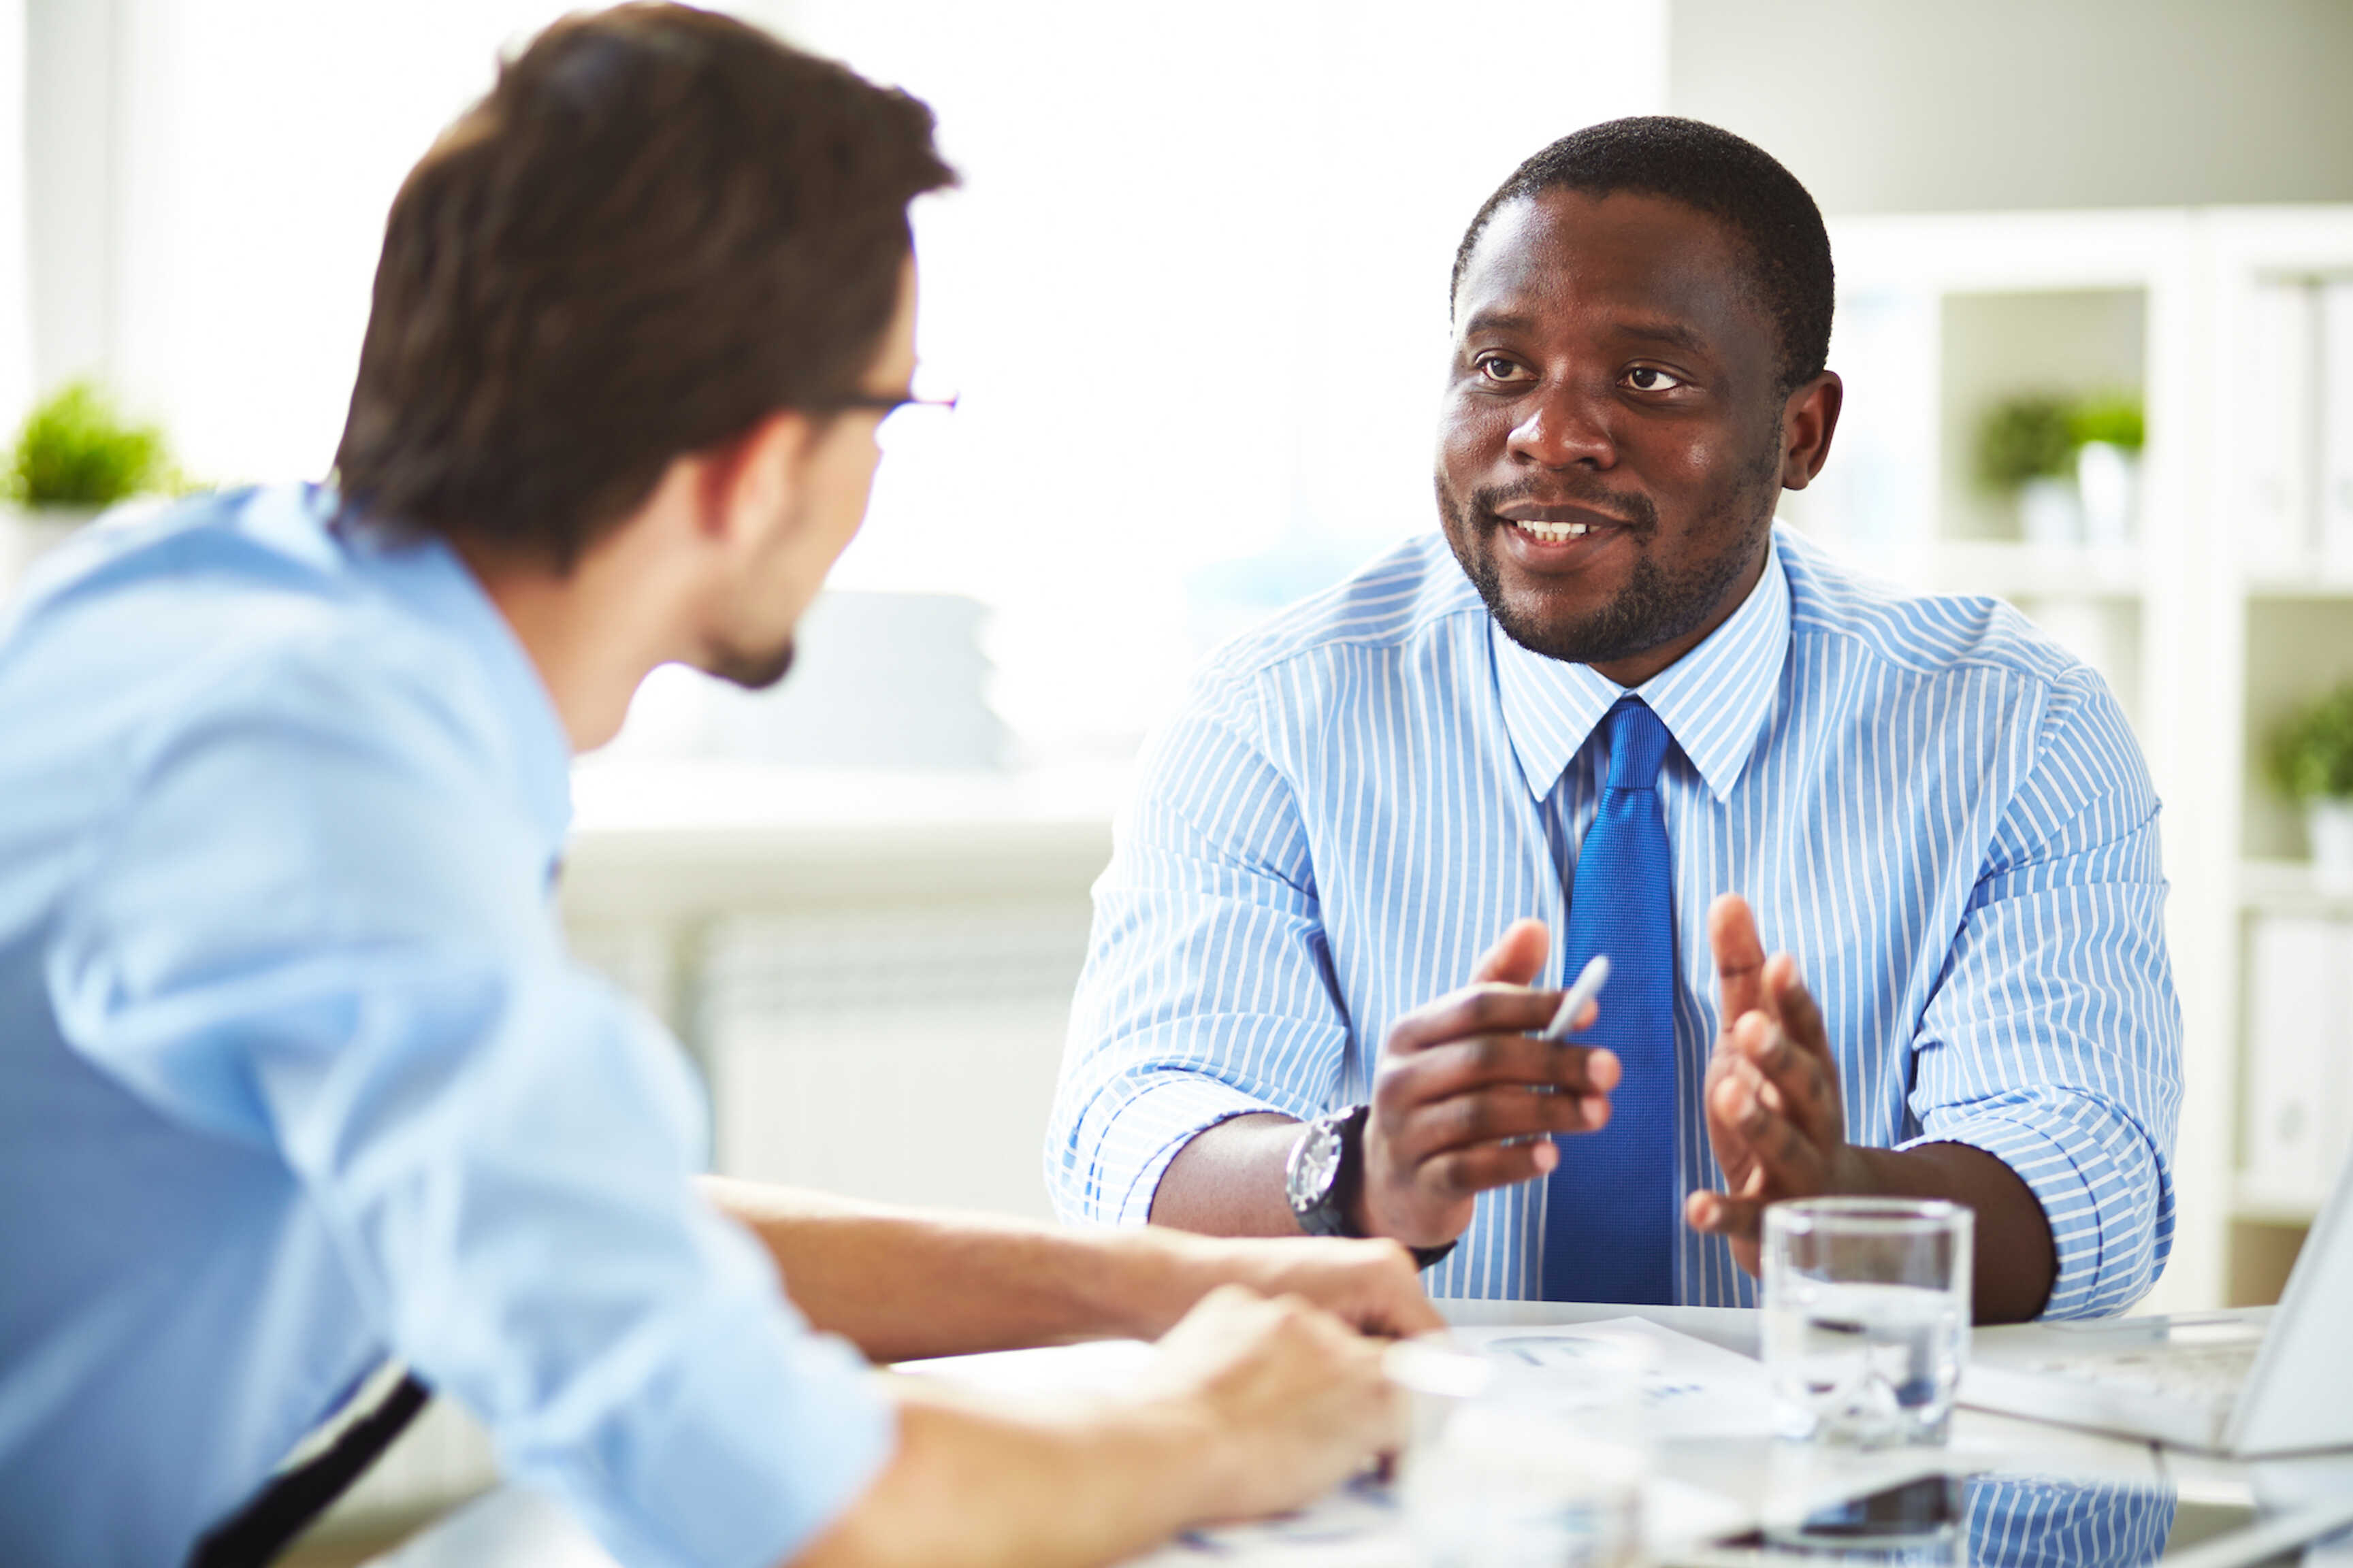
(68,170)
(1194,292)
(1909,105)
(207,182)
(1193,288)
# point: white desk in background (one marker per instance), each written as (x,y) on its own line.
(512,1527)
(662,852)
(845,950)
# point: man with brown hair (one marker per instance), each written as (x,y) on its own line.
(300,1076)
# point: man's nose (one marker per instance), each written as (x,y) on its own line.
(1563,427)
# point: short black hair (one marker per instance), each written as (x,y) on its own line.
(660,226)
(1734,180)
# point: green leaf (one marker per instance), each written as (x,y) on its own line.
(2115,419)
(2312,752)
(2022,438)
(75,451)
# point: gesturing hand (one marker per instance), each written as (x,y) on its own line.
(1774,1114)
(1466,1097)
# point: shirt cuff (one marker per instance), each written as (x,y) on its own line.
(735,1451)
(1146,1133)
(2107,1206)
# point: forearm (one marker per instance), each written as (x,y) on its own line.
(2017,1259)
(1071,1487)
(1229,1180)
(902,1284)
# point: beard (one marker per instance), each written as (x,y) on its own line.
(1658,603)
(754,669)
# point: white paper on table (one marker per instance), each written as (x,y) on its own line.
(1690,1389)
(1359,1526)
(1095,1367)
(1362,1526)
(1698,1389)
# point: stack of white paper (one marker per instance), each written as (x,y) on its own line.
(1688,1388)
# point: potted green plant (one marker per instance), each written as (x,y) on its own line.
(2108,432)
(74,456)
(2026,451)
(2312,763)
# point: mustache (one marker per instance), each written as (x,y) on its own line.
(1633,508)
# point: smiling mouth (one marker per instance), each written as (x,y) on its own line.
(1553,532)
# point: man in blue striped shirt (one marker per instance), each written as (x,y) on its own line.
(1941,817)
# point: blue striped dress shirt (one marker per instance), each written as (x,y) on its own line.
(1940,813)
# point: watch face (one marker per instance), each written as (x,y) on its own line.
(1316,1167)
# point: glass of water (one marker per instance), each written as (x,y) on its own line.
(1866,1317)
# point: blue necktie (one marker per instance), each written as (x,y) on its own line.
(1611,1216)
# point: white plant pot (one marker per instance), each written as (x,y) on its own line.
(2329,826)
(2050,512)
(27,533)
(2107,480)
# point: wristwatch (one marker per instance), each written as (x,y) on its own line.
(1326,1171)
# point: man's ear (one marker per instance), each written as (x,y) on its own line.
(749,483)
(1809,419)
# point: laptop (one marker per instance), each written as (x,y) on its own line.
(2251,1384)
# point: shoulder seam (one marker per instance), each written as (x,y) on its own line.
(1267,662)
(1813,625)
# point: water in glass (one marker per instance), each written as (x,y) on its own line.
(1866,1365)
(1866,1317)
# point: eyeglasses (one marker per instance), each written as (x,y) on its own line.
(904,417)
(887,403)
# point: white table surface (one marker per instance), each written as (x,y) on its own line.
(511,1526)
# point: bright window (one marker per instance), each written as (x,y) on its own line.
(1193,290)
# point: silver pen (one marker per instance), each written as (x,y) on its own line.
(1587,986)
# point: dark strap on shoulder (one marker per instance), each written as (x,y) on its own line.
(256,1533)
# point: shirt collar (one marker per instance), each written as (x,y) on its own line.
(1713,701)
(427,576)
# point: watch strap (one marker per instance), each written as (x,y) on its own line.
(1424,1257)
(1330,1215)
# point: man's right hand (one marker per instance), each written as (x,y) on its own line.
(1251,1406)
(1292,1402)
(1467,1097)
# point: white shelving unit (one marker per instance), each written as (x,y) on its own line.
(2279,633)
(2205,647)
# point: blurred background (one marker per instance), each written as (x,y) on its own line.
(2095,318)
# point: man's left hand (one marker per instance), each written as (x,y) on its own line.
(1775,1117)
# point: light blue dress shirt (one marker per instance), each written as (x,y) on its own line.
(1940,813)
(295,1074)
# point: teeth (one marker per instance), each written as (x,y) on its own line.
(1554,532)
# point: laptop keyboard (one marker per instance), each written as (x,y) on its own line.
(2179,1371)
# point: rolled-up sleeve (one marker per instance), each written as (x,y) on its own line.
(1207,991)
(321,930)
(2031,1521)
(2053,1039)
